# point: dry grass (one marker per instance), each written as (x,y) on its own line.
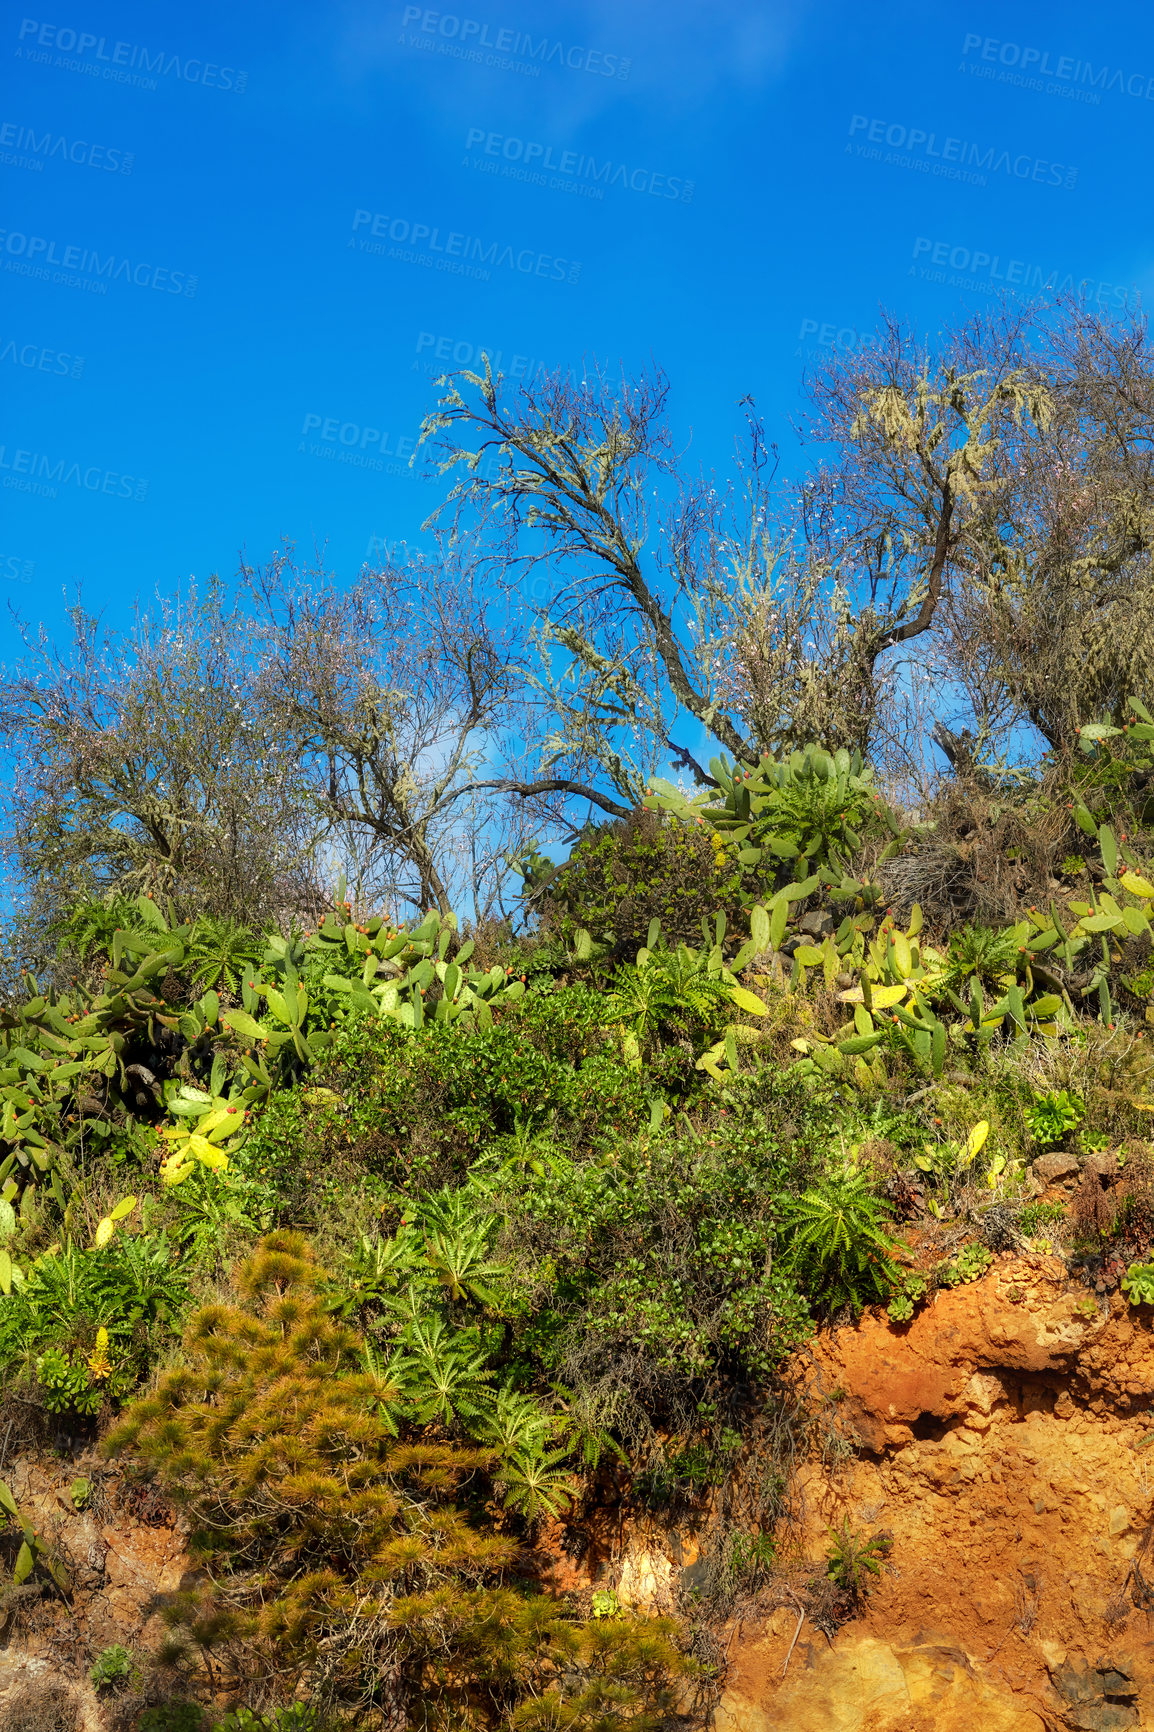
(981,856)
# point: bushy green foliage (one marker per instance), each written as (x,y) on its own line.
(970,1264)
(112,1666)
(418,1109)
(650,1277)
(835,1242)
(334,1543)
(625,875)
(786,818)
(854,1557)
(88,1323)
(1051,1114)
(173,1717)
(293,1717)
(981,953)
(1138,1283)
(1035,1215)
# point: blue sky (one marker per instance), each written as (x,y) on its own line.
(238,241)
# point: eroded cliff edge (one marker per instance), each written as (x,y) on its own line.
(1002,1438)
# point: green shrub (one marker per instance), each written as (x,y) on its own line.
(335,1546)
(112,1666)
(416,1110)
(646,867)
(90,1323)
(1138,1283)
(295,1717)
(173,1717)
(1052,1113)
(1036,1215)
(970,1264)
(854,1557)
(648,1278)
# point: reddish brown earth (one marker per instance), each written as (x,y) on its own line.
(1002,1442)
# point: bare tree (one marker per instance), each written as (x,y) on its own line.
(922,443)
(676,602)
(1054,623)
(143,764)
(393,694)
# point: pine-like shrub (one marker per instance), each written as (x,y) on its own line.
(353,1561)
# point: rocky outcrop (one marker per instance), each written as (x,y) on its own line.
(1001,1440)
(125,1557)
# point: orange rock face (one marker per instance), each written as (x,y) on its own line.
(1001,1439)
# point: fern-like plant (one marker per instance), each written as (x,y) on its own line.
(854,1557)
(445,1373)
(535,1483)
(836,1244)
(222,951)
(982,953)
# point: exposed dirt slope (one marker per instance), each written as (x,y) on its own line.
(1002,1443)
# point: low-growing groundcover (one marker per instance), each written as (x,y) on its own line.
(395,1270)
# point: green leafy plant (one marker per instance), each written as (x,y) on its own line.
(173,1717)
(902,1306)
(1052,1114)
(970,1264)
(984,954)
(808,809)
(623,876)
(535,1482)
(222,952)
(752,1554)
(273,1413)
(1138,1283)
(112,1666)
(855,1557)
(88,1322)
(1034,1216)
(836,1243)
(294,1717)
(34,1551)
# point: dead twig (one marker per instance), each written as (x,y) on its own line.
(797,1632)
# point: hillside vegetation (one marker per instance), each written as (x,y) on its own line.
(394,1254)
(412,1254)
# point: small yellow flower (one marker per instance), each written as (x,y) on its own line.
(99,1364)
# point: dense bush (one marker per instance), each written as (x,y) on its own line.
(647,867)
(87,1324)
(335,1546)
